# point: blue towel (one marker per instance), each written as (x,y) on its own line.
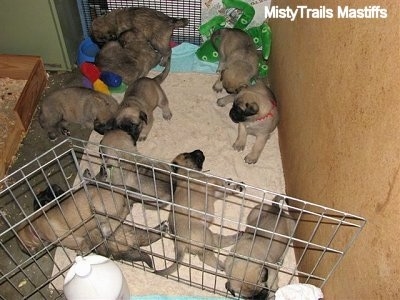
(184,59)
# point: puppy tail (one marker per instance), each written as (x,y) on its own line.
(179,22)
(180,253)
(161,77)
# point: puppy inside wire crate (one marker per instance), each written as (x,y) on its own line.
(58,205)
(190,9)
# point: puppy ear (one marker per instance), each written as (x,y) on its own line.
(251,109)
(143,117)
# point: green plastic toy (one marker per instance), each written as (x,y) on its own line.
(247,10)
(261,35)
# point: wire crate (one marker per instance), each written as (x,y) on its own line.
(191,9)
(40,275)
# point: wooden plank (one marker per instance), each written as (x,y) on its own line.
(28,68)
(17,66)
(31,93)
(14,138)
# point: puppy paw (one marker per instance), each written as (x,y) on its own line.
(142,138)
(234,185)
(251,158)
(218,86)
(221,102)
(87,174)
(164,226)
(167,115)
(238,146)
(65,131)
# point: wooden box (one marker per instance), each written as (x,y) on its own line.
(29,68)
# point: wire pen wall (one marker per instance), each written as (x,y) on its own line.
(70,165)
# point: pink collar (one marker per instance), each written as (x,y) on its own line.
(269,114)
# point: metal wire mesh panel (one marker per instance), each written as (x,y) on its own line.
(70,201)
(191,9)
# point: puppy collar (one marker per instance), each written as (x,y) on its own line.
(269,114)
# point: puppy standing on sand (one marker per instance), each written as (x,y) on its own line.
(238,59)
(156,27)
(247,278)
(77,105)
(136,109)
(254,109)
(192,216)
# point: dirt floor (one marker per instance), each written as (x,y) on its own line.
(33,145)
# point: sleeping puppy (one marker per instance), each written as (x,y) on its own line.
(78,105)
(80,224)
(188,220)
(247,278)
(72,212)
(129,169)
(238,59)
(136,109)
(254,109)
(131,57)
(156,27)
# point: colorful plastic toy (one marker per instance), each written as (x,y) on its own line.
(91,72)
(111,79)
(104,82)
(261,35)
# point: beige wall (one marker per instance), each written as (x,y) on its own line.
(338,85)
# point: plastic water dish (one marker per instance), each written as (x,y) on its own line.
(87,51)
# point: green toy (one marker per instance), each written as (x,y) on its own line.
(261,35)
(207,52)
(247,10)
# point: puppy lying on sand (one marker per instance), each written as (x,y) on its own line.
(156,27)
(73,225)
(136,109)
(78,105)
(254,109)
(188,220)
(131,57)
(238,59)
(247,278)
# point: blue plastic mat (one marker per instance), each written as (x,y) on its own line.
(184,59)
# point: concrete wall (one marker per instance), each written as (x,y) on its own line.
(338,86)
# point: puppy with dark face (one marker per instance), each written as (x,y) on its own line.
(131,57)
(238,59)
(193,214)
(47,195)
(71,213)
(254,109)
(73,225)
(77,105)
(246,277)
(156,27)
(136,109)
